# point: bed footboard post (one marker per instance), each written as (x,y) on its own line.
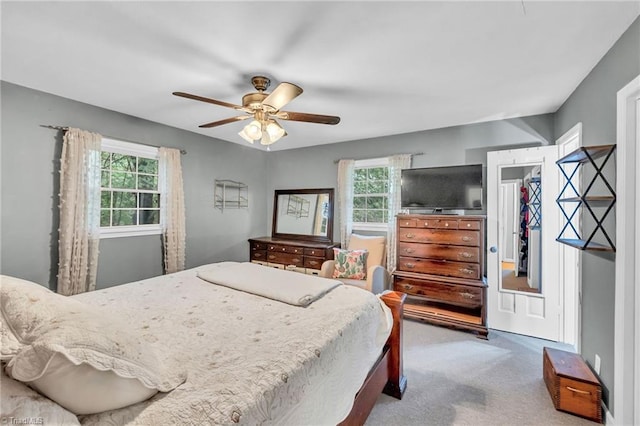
(397,382)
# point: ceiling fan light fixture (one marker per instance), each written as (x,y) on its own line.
(244,135)
(274,130)
(253,130)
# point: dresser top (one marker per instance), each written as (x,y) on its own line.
(297,243)
(442,216)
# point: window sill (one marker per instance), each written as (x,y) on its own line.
(130,231)
(370,227)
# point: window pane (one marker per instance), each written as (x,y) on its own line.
(124,199)
(104,179)
(377,187)
(105,217)
(147,165)
(360,187)
(148,217)
(359,202)
(378,173)
(126,163)
(147,182)
(375,216)
(149,200)
(360,174)
(105,160)
(123,180)
(359,215)
(124,217)
(375,202)
(105,199)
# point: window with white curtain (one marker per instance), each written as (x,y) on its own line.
(371,187)
(130,195)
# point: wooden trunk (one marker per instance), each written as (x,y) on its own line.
(572,385)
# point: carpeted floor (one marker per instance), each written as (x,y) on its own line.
(455,378)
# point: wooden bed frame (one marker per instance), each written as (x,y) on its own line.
(386,375)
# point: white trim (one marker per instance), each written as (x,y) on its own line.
(372,162)
(357,226)
(627,299)
(572,288)
(129,148)
(130,231)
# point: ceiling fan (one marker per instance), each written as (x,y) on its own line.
(264,108)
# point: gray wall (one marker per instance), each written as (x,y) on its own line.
(315,167)
(594,104)
(29,180)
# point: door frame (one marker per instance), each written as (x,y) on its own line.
(627,286)
(572,282)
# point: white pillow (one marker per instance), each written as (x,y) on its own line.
(374,244)
(77,354)
(20,402)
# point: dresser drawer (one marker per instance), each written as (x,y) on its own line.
(440,236)
(407,223)
(440,252)
(313,262)
(438,223)
(258,255)
(469,224)
(285,249)
(439,267)
(460,295)
(285,258)
(255,245)
(315,252)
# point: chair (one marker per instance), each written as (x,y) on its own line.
(377,279)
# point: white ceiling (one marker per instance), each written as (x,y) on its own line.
(384,67)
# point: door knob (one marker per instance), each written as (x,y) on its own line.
(493,249)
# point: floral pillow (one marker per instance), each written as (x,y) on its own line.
(351,264)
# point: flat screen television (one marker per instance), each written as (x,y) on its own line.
(442,188)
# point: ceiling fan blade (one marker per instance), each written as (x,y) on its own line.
(310,118)
(282,95)
(209,100)
(225,121)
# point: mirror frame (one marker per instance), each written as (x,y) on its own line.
(274,226)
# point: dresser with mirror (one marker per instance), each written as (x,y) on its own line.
(302,231)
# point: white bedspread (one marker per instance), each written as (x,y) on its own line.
(250,360)
(277,284)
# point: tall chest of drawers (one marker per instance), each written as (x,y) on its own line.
(440,266)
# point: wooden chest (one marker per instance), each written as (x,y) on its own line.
(572,385)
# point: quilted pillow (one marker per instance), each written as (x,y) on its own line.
(76,354)
(350,264)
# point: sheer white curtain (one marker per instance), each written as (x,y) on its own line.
(79,212)
(345,199)
(172,205)
(396,164)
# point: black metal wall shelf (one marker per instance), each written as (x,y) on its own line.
(570,206)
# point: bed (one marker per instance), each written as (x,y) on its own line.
(234,357)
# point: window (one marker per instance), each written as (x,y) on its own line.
(371,194)
(129,192)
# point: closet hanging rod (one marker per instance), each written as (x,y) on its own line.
(49,126)
(371,158)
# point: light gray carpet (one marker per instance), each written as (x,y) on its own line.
(455,378)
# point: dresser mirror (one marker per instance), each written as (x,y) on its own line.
(304,214)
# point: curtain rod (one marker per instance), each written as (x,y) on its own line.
(182,151)
(371,158)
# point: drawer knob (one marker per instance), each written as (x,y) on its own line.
(466,238)
(578,390)
(284,249)
(408,250)
(468,225)
(467,295)
(313,262)
(410,265)
(446,224)
(407,286)
(467,271)
(426,224)
(271,257)
(466,255)
(409,235)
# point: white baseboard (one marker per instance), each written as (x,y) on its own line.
(608,417)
